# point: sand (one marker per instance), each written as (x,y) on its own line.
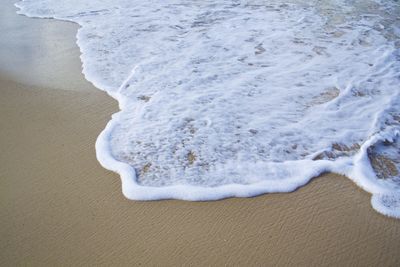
(59,207)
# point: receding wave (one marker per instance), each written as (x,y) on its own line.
(237,98)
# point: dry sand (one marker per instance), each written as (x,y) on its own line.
(59,207)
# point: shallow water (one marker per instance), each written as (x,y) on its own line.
(239,98)
(43,62)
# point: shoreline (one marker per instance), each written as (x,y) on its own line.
(60,207)
(150,160)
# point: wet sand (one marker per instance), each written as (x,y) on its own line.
(58,206)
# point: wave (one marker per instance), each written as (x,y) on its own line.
(239,98)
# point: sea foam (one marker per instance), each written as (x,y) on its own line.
(238,98)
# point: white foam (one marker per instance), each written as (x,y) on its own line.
(239,98)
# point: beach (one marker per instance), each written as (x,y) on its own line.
(59,207)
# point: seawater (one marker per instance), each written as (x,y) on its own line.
(232,98)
